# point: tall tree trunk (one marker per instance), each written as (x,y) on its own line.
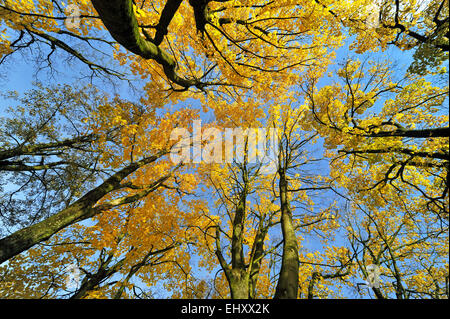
(287,287)
(238,282)
(238,277)
(256,258)
(237,274)
(237,248)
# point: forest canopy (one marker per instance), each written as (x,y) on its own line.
(224,149)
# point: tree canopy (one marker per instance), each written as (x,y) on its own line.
(224,149)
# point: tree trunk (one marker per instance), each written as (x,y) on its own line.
(256,259)
(287,287)
(119,19)
(239,284)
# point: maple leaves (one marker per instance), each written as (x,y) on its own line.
(399,183)
(411,108)
(361,174)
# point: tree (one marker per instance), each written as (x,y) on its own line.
(43,146)
(134,156)
(297,184)
(406,143)
(408,246)
(389,143)
(243,236)
(360,170)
